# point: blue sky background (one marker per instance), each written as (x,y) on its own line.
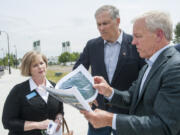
(56,21)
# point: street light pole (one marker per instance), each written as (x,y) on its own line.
(16,55)
(8,50)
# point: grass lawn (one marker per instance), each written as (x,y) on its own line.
(51,75)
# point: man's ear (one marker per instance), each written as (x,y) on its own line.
(118,21)
(159,34)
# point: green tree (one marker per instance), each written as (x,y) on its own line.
(1,62)
(74,56)
(177,34)
(12,60)
(6,60)
(64,57)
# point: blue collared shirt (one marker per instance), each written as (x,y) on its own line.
(111,55)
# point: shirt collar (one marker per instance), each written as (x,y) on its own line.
(153,58)
(33,85)
(119,40)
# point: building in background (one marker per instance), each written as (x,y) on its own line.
(66,47)
(36,46)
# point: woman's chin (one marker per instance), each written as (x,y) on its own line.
(41,75)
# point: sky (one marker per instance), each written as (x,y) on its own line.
(56,21)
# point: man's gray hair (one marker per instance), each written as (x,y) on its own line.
(158,20)
(113,11)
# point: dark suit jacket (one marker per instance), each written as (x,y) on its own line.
(127,70)
(18,109)
(156,111)
(177,47)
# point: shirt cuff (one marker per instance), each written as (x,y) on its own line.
(110,97)
(114,122)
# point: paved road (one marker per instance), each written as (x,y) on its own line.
(75,120)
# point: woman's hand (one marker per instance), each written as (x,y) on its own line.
(30,125)
(43,124)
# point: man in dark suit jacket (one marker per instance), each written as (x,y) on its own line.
(112,56)
(153,99)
